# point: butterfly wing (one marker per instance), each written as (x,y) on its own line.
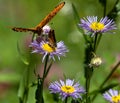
(18,29)
(50,16)
(52,39)
(38,28)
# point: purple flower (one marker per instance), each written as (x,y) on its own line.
(113,96)
(67,89)
(44,48)
(91,24)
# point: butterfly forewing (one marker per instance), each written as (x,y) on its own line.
(38,28)
(50,16)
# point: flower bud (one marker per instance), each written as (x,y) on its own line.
(95,62)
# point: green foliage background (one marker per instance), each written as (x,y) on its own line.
(28,13)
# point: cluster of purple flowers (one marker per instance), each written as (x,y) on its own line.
(69,88)
(91,24)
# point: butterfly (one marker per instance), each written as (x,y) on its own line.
(38,28)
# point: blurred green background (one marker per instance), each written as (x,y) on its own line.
(28,13)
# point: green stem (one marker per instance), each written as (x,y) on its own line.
(95,41)
(26,92)
(88,69)
(107,78)
(26,88)
(110,74)
(33,37)
(87,89)
(48,69)
(98,40)
(45,66)
(66,99)
(39,90)
(104,13)
(89,72)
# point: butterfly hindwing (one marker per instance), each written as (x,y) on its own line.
(52,39)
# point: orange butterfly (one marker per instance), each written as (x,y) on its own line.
(38,28)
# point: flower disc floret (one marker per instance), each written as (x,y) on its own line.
(96,26)
(48,48)
(68,89)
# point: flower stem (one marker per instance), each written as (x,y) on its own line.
(66,99)
(98,40)
(26,80)
(26,91)
(89,72)
(107,78)
(45,66)
(95,41)
(39,91)
(26,87)
(105,3)
(88,69)
(110,74)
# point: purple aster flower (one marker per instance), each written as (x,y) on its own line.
(44,48)
(91,24)
(113,96)
(67,89)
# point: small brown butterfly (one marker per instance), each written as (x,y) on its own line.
(38,28)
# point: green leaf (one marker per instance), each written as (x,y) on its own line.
(103,2)
(9,77)
(22,57)
(77,20)
(109,87)
(104,89)
(22,87)
(75,14)
(114,12)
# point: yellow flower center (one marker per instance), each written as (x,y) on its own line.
(68,89)
(48,48)
(97,26)
(116,99)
